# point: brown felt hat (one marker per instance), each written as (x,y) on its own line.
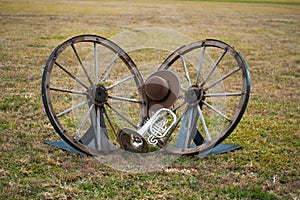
(162,87)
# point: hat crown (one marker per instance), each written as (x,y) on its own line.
(162,89)
(156,88)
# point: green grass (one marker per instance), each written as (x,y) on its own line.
(267,167)
(238,192)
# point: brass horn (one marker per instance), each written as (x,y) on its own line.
(130,140)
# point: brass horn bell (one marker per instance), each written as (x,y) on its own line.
(130,140)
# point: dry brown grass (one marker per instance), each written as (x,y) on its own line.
(267,167)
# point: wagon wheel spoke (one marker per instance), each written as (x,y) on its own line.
(68,91)
(179,106)
(186,72)
(110,122)
(119,82)
(125,99)
(216,111)
(71,75)
(96,63)
(81,64)
(84,120)
(200,65)
(224,94)
(109,68)
(98,128)
(191,123)
(214,67)
(203,123)
(119,113)
(222,78)
(72,108)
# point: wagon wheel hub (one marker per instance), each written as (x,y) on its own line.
(194,95)
(100,94)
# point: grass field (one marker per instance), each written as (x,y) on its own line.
(267,33)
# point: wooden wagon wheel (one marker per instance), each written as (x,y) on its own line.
(91,88)
(215,88)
